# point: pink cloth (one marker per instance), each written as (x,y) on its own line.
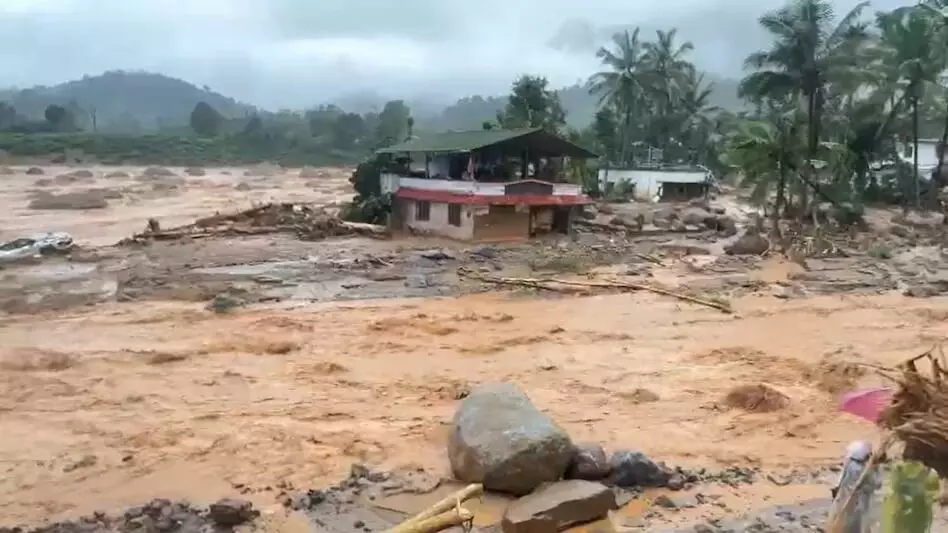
(866,403)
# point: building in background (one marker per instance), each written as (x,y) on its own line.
(485,185)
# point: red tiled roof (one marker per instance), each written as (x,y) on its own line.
(482,199)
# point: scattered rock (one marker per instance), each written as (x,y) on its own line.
(69,201)
(922,291)
(231,512)
(589,462)
(118,174)
(164,186)
(487,252)
(756,398)
(678,226)
(312,172)
(243,186)
(605,209)
(918,219)
(224,303)
(639,395)
(43,182)
(108,194)
(676,502)
(558,506)
(436,255)
(684,248)
(195,171)
(65,179)
(634,469)
(665,213)
(725,225)
(157,172)
(82,174)
(696,216)
(263,170)
(676,482)
(751,243)
(499,438)
(35,171)
(7,171)
(84,462)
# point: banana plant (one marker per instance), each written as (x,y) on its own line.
(909,501)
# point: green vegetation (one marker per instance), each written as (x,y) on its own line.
(171,149)
(909,503)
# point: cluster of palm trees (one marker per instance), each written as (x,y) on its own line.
(829,103)
(650,94)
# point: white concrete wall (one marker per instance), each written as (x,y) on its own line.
(647,181)
(437,223)
(927,155)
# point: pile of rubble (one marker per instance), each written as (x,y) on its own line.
(157,516)
(304,221)
(696,216)
(501,441)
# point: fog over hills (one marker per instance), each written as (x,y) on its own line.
(277,54)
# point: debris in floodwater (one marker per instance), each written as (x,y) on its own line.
(307,222)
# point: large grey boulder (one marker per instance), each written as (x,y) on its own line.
(751,243)
(499,438)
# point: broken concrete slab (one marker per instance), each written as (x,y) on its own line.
(557,506)
(502,440)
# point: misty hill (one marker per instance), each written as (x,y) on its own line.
(141,102)
(126,102)
(580,106)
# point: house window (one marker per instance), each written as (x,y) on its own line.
(454,214)
(422,211)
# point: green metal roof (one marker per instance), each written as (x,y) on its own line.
(535,139)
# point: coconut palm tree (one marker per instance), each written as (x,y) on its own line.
(768,154)
(624,83)
(694,113)
(809,50)
(668,68)
(938,11)
(911,48)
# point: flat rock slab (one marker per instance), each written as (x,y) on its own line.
(557,506)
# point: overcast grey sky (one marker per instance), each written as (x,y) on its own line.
(295,53)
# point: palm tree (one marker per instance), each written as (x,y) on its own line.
(809,50)
(938,10)
(695,112)
(767,153)
(911,49)
(667,71)
(623,86)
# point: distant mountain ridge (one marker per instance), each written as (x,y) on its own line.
(139,102)
(124,101)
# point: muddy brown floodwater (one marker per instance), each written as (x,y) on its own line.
(111,405)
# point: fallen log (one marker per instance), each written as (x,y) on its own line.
(439,522)
(443,514)
(363,228)
(553,284)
